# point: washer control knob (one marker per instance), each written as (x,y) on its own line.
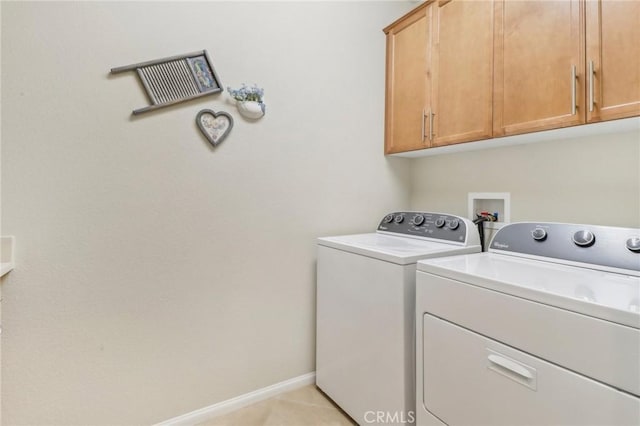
(388,218)
(633,244)
(453,224)
(399,218)
(440,222)
(539,234)
(584,238)
(418,220)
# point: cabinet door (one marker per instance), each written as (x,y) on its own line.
(462,71)
(538,71)
(613,59)
(407,84)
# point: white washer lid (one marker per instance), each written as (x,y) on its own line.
(399,250)
(605,295)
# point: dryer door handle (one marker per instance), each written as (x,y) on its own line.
(510,365)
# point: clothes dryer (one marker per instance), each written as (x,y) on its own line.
(542,329)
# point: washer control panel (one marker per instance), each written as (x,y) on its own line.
(424,224)
(588,244)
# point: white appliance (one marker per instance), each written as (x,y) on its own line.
(365,355)
(543,329)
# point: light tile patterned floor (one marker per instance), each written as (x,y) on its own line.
(306,406)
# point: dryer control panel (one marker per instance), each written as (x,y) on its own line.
(437,226)
(589,245)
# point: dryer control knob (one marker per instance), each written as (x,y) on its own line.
(399,218)
(633,244)
(418,220)
(453,224)
(388,218)
(440,222)
(584,238)
(539,234)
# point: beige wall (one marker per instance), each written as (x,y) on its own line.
(593,180)
(156,275)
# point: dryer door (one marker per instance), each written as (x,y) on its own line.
(469,379)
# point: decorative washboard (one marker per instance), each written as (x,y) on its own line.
(175,79)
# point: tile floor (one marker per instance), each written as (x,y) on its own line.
(306,406)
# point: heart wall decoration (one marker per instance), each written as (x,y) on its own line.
(215,126)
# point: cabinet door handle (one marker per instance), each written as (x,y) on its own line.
(424,115)
(574,77)
(431,114)
(511,366)
(592,101)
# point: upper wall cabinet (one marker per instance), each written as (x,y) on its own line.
(406,84)
(538,66)
(613,59)
(408,52)
(439,75)
(467,70)
(462,72)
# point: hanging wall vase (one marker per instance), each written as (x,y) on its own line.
(249,100)
(250,109)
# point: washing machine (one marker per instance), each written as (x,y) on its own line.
(543,329)
(365,350)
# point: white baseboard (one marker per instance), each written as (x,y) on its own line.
(232,404)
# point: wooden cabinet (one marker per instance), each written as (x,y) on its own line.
(467,70)
(613,59)
(462,72)
(408,52)
(538,45)
(439,75)
(538,72)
